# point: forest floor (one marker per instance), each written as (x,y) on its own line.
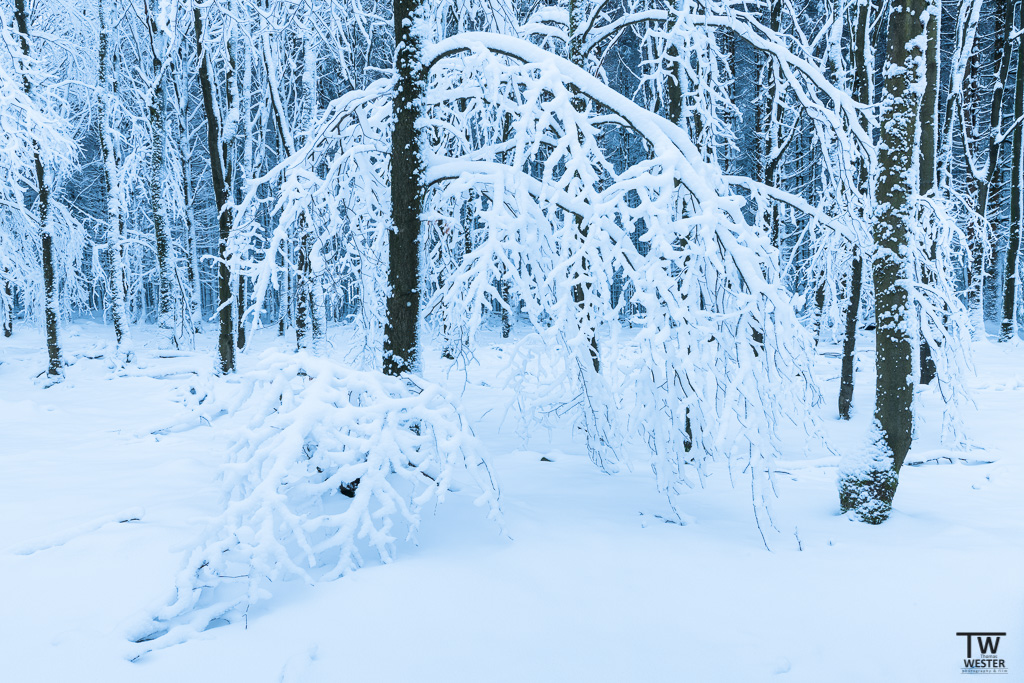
(589,582)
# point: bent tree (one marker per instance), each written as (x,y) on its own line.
(867,481)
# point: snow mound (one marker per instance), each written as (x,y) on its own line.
(328,464)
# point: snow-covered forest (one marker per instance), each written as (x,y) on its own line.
(511,340)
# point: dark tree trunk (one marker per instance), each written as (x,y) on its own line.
(401,352)
(927,157)
(975,234)
(988,187)
(894,390)
(302,295)
(240,304)
(850,339)
(8,312)
(769,130)
(868,490)
(221,190)
(1007,327)
(50,290)
(862,93)
(578,16)
(819,311)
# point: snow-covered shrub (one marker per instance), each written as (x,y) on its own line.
(328,464)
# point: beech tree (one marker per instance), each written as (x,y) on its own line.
(401,333)
(868,480)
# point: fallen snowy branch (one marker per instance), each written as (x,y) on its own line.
(328,464)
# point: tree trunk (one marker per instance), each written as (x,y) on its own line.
(302,295)
(221,191)
(8,307)
(769,131)
(850,339)
(862,93)
(578,17)
(401,352)
(1007,327)
(55,368)
(182,101)
(240,304)
(976,237)
(986,188)
(314,274)
(158,153)
(867,486)
(117,287)
(927,158)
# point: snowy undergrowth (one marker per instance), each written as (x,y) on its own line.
(328,465)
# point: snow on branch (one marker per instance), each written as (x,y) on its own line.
(328,465)
(589,250)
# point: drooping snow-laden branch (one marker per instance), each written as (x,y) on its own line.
(712,326)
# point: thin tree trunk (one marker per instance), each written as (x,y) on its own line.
(314,282)
(927,157)
(987,188)
(862,93)
(158,153)
(8,304)
(850,339)
(769,130)
(50,290)
(221,191)
(111,188)
(302,295)
(578,17)
(976,237)
(182,101)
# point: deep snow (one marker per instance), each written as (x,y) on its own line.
(589,581)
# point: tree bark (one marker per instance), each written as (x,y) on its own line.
(117,286)
(55,368)
(401,338)
(846,382)
(769,130)
(868,490)
(975,233)
(894,389)
(1002,54)
(158,153)
(221,190)
(927,157)
(577,22)
(8,307)
(862,94)
(1007,328)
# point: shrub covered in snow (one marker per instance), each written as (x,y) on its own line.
(328,464)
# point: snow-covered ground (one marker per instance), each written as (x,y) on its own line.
(589,581)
